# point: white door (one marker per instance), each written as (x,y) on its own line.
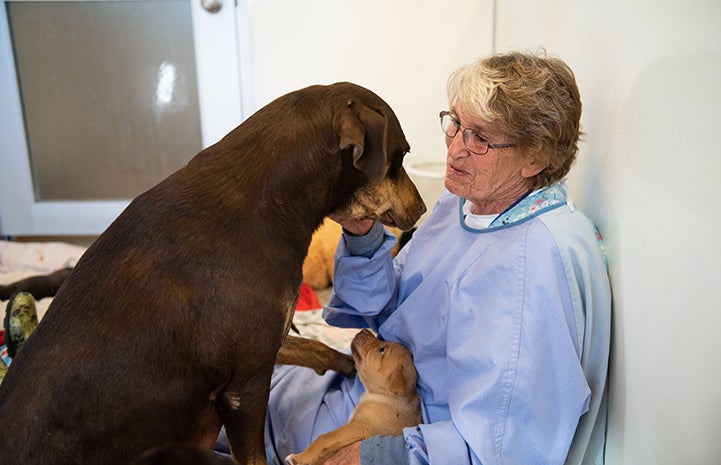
(100,100)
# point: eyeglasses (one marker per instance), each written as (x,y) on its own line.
(474,142)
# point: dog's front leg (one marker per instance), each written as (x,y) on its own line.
(243,408)
(314,354)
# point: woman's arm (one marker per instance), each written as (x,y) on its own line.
(364,279)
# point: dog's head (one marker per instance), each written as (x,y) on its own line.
(383,367)
(334,150)
(371,139)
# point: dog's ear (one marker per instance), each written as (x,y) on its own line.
(398,381)
(365,130)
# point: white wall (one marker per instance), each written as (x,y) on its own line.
(648,174)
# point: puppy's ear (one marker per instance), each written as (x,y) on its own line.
(364,130)
(397,381)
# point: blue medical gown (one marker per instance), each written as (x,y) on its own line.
(509,328)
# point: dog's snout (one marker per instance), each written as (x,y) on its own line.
(413,205)
(364,334)
(407,218)
(360,340)
(420,209)
(423,208)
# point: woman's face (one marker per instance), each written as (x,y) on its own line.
(491,182)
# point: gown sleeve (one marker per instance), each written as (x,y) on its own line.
(364,288)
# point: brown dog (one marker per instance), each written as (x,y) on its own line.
(169,325)
(390,403)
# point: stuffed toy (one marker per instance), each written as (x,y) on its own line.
(318,265)
(21,319)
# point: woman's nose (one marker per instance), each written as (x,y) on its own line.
(456,147)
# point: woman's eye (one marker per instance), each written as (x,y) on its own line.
(479,138)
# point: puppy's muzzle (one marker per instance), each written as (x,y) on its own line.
(359,344)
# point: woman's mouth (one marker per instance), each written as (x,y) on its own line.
(453,171)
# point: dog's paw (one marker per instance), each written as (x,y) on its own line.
(345,365)
(340,362)
(299,459)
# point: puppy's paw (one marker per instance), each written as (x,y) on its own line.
(290,460)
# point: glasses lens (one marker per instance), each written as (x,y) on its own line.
(448,125)
(474,142)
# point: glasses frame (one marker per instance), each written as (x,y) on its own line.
(467,133)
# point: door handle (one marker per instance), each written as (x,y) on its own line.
(211,6)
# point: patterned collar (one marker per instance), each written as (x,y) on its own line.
(527,207)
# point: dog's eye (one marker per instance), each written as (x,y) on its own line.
(382,350)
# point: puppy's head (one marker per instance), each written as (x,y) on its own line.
(371,137)
(383,367)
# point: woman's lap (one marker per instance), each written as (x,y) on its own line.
(302,406)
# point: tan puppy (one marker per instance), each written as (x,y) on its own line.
(391,401)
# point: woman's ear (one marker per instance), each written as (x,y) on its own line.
(531,168)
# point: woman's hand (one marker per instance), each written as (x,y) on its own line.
(353,226)
(349,455)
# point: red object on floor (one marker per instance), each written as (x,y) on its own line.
(307,300)
(2,337)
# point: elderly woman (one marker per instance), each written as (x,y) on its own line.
(502,295)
